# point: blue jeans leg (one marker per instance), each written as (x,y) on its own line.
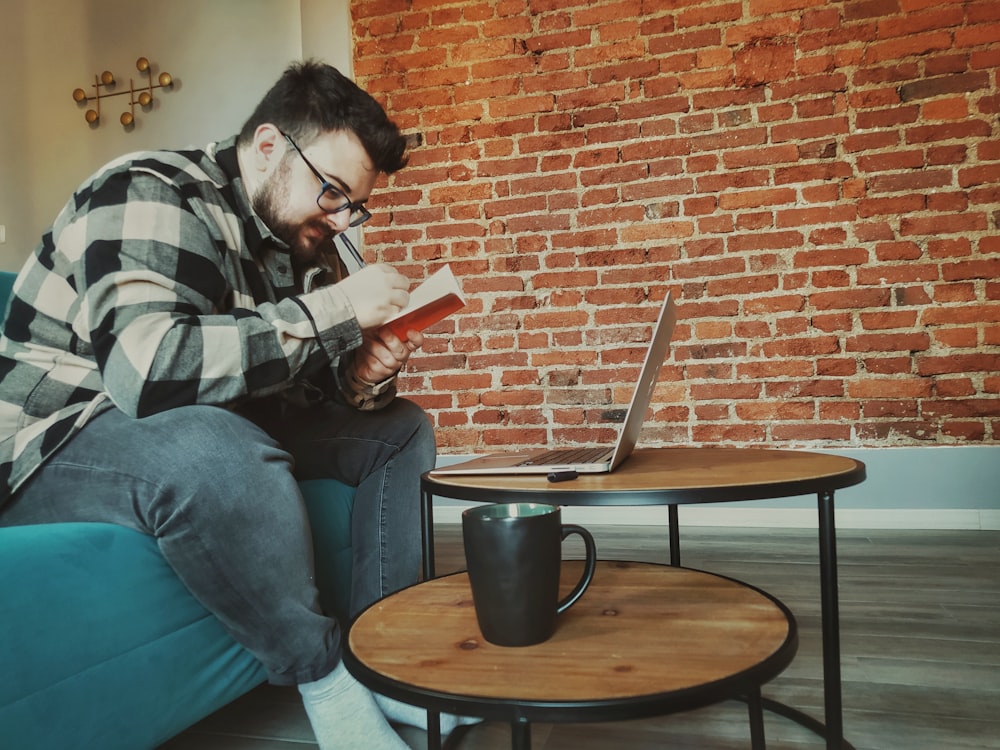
(382,453)
(219,496)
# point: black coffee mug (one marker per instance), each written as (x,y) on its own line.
(513,552)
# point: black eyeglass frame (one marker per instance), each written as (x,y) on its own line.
(328,188)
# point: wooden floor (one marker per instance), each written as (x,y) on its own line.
(920,641)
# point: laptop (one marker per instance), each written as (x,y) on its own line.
(587,460)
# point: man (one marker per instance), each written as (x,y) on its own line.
(175,357)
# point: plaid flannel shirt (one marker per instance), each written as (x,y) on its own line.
(156,287)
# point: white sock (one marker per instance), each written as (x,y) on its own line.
(414,716)
(344,715)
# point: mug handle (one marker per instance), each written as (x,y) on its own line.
(588,569)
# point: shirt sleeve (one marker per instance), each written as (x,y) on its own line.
(360,393)
(167,307)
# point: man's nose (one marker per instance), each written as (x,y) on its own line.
(338,221)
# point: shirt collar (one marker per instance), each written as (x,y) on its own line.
(259,238)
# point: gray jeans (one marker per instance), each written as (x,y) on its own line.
(219,494)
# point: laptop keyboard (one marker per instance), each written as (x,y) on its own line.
(561,456)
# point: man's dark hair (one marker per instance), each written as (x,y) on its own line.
(312,98)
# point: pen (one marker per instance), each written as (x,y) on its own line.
(562,476)
(352,250)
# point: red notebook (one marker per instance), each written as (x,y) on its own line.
(435,299)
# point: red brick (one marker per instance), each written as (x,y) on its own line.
(833,322)
(969,313)
(756,198)
(907,342)
(963,408)
(815,128)
(984,269)
(897,274)
(797,217)
(888,365)
(977,35)
(925,179)
(764,63)
(890,387)
(871,141)
(787,389)
(784,410)
(967,129)
(954,108)
(970,431)
(944,201)
(887,118)
(812,432)
(869,207)
(726,392)
(943,224)
(911,296)
(897,431)
(958,363)
(954,387)
(954,293)
(844,300)
(892,160)
(870,9)
(811,172)
(888,320)
(800,347)
(957,338)
(881,409)
(916,44)
(781,303)
(984,174)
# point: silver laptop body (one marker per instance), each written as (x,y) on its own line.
(588,460)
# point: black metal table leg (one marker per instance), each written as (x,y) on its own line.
(520,735)
(755,707)
(833,706)
(427,532)
(675,536)
(433,730)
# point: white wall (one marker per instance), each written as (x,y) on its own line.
(326,33)
(223,55)
(13,128)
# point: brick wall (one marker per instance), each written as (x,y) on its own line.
(817,182)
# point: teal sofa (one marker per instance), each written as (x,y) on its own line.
(102,647)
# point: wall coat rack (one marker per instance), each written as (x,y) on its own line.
(104,85)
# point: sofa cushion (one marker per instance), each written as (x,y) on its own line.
(102,645)
(329,504)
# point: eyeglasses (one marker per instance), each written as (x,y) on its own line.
(332,199)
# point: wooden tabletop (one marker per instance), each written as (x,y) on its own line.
(644,639)
(669,475)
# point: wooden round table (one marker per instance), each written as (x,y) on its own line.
(681,475)
(662,476)
(644,640)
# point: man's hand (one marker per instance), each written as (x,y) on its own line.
(376,293)
(383,353)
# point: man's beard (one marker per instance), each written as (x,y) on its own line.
(267,203)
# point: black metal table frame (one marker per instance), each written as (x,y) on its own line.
(832,727)
(743,686)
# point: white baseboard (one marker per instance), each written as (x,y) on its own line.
(775,518)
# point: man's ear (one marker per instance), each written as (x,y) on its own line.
(268,147)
